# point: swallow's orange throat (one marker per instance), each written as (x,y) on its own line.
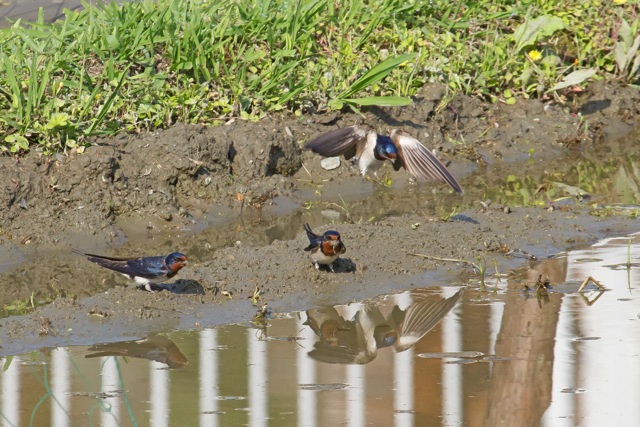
(332,247)
(177,266)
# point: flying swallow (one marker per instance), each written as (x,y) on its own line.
(371,149)
(142,270)
(324,249)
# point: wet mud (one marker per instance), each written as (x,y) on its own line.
(234,198)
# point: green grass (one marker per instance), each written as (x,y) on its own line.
(148,65)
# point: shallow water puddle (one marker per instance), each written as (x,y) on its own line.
(505,355)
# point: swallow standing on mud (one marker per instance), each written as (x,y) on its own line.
(142,270)
(325,249)
(371,149)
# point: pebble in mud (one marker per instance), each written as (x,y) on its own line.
(166,215)
(330,163)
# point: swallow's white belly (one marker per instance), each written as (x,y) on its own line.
(318,257)
(144,281)
(366,159)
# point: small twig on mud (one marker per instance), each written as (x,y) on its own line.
(437,258)
(343,207)
(307,171)
(479,266)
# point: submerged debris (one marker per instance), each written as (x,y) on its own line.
(586,282)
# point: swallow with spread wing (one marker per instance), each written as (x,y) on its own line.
(371,149)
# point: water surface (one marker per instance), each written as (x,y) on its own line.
(505,354)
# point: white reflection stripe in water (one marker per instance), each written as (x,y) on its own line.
(110,414)
(307,401)
(403,376)
(495,323)
(451,373)
(496,311)
(562,409)
(257,349)
(208,377)
(355,396)
(159,385)
(60,387)
(11,393)
(608,367)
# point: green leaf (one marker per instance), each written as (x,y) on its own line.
(381,101)
(57,120)
(631,52)
(7,363)
(18,142)
(335,104)
(285,53)
(574,78)
(376,74)
(625,32)
(621,56)
(634,67)
(570,189)
(530,31)
(112,41)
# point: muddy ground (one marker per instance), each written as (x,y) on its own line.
(234,198)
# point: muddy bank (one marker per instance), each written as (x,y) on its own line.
(187,177)
(234,198)
(378,259)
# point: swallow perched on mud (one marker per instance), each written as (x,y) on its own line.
(142,270)
(371,149)
(324,249)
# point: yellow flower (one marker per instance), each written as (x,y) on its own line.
(535,55)
(619,1)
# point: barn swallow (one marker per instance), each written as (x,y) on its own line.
(357,339)
(154,347)
(324,249)
(371,149)
(142,270)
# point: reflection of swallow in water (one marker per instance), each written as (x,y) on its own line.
(142,270)
(325,249)
(154,347)
(371,149)
(357,341)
